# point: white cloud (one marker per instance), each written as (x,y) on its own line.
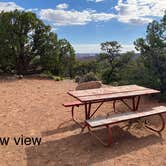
(99,0)
(128,47)
(62,6)
(128,11)
(95,1)
(73,17)
(101,16)
(62,17)
(139,11)
(53,29)
(9,6)
(87,48)
(95,48)
(33,10)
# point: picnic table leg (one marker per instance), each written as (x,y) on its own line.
(99,139)
(109,135)
(135,103)
(157,130)
(87,115)
(91,115)
(87,111)
(134,107)
(114,102)
(72,113)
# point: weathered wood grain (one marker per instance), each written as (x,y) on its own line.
(124,117)
(111,93)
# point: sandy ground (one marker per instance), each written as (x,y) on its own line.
(33,108)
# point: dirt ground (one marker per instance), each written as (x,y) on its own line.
(33,108)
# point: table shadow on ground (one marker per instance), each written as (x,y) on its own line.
(83,149)
(63,127)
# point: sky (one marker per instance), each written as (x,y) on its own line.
(87,23)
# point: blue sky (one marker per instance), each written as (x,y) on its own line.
(87,23)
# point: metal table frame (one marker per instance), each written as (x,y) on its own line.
(131,92)
(88,107)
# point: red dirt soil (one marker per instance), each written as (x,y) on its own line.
(33,108)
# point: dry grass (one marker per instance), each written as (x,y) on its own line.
(33,107)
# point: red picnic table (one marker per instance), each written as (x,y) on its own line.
(101,95)
(120,93)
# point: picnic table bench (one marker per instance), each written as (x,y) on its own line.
(126,116)
(99,96)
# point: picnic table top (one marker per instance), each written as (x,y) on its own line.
(111,93)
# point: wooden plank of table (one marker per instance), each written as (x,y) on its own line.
(101,91)
(124,116)
(116,95)
(111,93)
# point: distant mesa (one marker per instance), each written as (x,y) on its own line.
(92,56)
(86,56)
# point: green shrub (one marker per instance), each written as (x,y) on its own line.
(46,74)
(49,75)
(57,78)
(106,76)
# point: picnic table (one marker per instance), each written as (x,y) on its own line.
(101,95)
(120,93)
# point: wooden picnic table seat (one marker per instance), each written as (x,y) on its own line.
(121,117)
(74,103)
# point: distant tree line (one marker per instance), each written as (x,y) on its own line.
(29,46)
(147,69)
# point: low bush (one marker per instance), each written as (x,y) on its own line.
(49,75)
(46,74)
(57,78)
